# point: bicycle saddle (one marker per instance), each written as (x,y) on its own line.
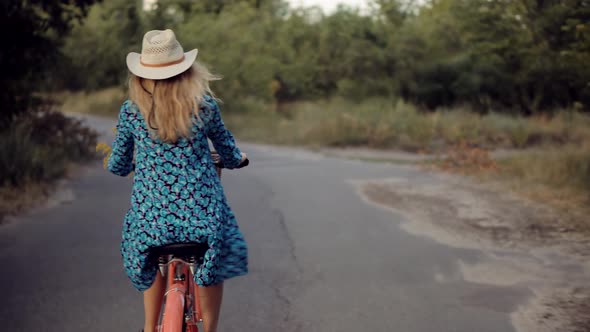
(181,250)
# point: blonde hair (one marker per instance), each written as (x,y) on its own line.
(168,105)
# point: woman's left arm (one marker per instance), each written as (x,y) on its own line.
(121,159)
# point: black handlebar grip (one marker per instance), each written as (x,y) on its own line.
(219,163)
(244,163)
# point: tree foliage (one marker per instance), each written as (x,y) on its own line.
(513,55)
(95,50)
(35,29)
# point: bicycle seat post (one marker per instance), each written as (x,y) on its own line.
(162,262)
(192,264)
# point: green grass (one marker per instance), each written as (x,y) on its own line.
(564,166)
(102,102)
(558,176)
(387,124)
(377,123)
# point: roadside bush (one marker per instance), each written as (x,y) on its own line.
(39,147)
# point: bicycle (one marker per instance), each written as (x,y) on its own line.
(181,309)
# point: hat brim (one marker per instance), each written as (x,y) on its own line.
(159,73)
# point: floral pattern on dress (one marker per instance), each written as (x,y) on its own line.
(177,196)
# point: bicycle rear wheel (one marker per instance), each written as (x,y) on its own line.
(173,315)
(172,319)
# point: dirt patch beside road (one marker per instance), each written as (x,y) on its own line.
(527,243)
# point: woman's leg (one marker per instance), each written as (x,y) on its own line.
(152,302)
(210,299)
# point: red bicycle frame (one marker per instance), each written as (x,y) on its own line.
(181,311)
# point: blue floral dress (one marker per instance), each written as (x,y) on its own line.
(177,196)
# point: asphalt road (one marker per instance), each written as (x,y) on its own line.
(321,259)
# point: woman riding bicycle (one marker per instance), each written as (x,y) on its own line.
(162,135)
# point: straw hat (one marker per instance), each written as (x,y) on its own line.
(161,56)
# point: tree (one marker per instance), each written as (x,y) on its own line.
(95,50)
(36,30)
